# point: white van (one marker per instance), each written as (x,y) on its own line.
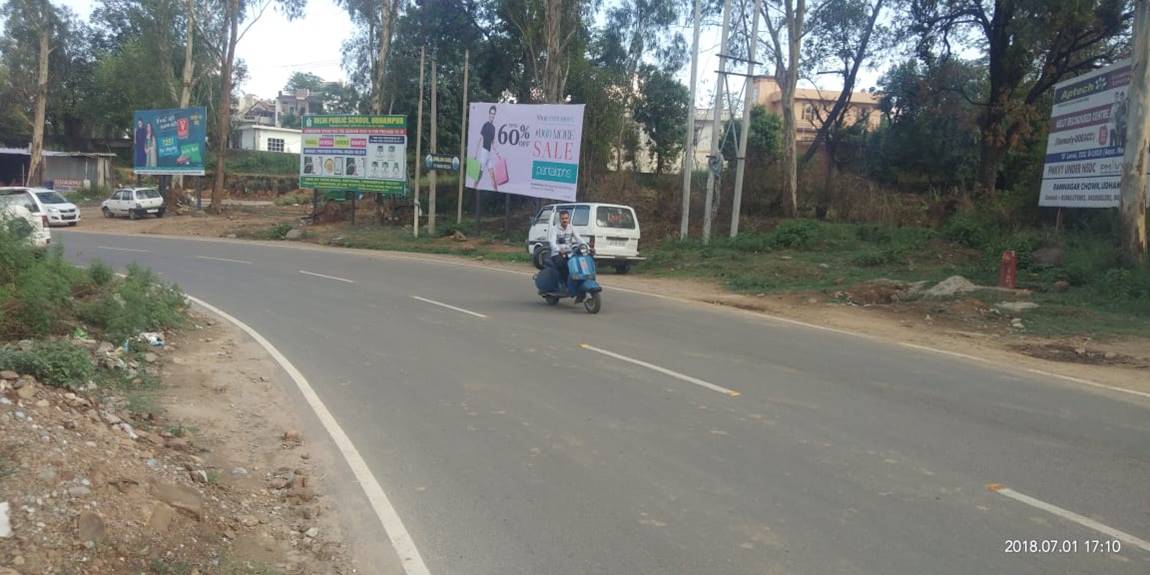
(611,229)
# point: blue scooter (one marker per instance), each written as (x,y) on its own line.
(581,282)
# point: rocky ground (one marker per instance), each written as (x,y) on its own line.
(204,473)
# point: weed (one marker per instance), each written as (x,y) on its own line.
(138,303)
(56,363)
(100,273)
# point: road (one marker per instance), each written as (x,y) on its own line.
(508,446)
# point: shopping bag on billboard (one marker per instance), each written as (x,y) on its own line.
(501,176)
(472,169)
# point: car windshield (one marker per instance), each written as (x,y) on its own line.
(51,198)
(613,217)
(148,194)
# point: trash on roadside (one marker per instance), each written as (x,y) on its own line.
(152,338)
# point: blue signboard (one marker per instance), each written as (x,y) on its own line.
(169,142)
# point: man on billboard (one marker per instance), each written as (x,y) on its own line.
(487,141)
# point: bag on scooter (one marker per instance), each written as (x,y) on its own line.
(580,267)
(547,280)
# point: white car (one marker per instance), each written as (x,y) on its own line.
(134,203)
(50,203)
(19,213)
(612,230)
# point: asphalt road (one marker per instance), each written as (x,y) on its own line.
(506,446)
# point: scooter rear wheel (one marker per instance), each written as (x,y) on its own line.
(593,303)
(550,299)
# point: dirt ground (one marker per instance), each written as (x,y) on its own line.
(963,325)
(207,474)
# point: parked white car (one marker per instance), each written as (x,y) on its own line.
(134,203)
(612,230)
(20,214)
(59,210)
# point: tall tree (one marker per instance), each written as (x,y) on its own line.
(660,110)
(787,19)
(1030,45)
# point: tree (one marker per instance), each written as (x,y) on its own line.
(1030,45)
(305,81)
(661,107)
(792,23)
(376,20)
(236,14)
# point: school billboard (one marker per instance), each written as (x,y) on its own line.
(169,142)
(525,149)
(354,153)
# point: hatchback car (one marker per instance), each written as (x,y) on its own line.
(134,203)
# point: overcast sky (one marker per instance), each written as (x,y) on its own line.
(275,47)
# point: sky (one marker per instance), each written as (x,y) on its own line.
(276,47)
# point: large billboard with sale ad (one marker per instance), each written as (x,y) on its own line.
(525,149)
(1087,140)
(354,154)
(168,142)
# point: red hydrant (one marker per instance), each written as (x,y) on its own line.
(1008,270)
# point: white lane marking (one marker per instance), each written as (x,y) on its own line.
(110,248)
(1089,383)
(400,539)
(1070,516)
(451,307)
(663,371)
(223,260)
(307,273)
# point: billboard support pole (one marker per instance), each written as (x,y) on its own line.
(463,140)
(353,195)
(433,187)
(418,145)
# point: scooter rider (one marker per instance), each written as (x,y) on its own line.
(563,239)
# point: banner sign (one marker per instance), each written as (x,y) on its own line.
(441,163)
(168,142)
(354,153)
(525,149)
(1087,140)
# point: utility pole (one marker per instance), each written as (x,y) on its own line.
(463,139)
(1134,179)
(748,102)
(434,143)
(715,158)
(689,145)
(418,144)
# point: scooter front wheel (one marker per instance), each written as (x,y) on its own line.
(593,303)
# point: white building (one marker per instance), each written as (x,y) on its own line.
(269,139)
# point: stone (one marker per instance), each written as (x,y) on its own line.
(239,472)
(231,236)
(200,476)
(90,527)
(1016,306)
(1080,350)
(26,392)
(5,520)
(1016,323)
(9,375)
(181,497)
(248,520)
(292,436)
(110,418)
(161,518)
(1110,355)
(8,571)
(47,474)
(177,443)
(1052,257)
(43,403)
(128,430)
(151,357)
(951,286)
(1061,286)
(293,234)
(79,491)
(312,533)
(459,236)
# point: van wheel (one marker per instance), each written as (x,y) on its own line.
(539,258)
(107,212)
(132,215)
(623,268)
(160,213)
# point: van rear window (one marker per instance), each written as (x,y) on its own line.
(612,217)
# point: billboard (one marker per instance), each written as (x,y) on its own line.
(168,142)
(525,149)
(1087,140)
(354,153)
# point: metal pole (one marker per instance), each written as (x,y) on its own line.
(434,148)
(463,139)
(689,145)
(418,145)
(1134,180)
(353,195)
(717,128)
(748,101)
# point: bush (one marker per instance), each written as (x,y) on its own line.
(139,303)
(40,296)
(57,363)
(100,274)
(969,230)
(298,197)
(794,233)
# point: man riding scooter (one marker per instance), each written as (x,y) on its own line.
(563,239)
